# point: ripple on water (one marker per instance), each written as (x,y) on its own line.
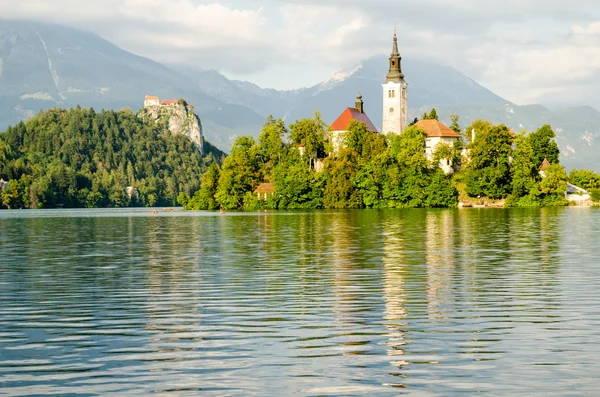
(425,303)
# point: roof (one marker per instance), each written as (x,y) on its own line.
(151,98)
(545,165)
(435,129)
(343,122)
(265,188)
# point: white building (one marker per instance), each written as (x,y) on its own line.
(151,100)
(395,95)
(438,133)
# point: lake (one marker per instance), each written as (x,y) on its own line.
(386,303)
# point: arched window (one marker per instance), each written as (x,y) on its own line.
(393,93)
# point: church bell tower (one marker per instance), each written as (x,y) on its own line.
(395,95)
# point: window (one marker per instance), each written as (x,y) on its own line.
(391,110)
(393,93)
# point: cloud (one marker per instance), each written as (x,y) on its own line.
(521,49)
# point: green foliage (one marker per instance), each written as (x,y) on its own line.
(80,158)
(455,126)
(310,133)
(544,146)
(297,187)
(271,142)
(488,171)
(372,172)
(585,179)
(529,187)
(204,199)
(240,173)
(595,193)
(431,115)
(340,173)
(525,175)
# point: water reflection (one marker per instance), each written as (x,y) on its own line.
(433,302)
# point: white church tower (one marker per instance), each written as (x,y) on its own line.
(395,96)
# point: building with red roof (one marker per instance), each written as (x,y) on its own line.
(341,124)
(438,133)
(151,100)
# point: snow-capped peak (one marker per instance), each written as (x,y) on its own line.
(337,78)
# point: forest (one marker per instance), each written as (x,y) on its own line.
(78,158)
(375,171)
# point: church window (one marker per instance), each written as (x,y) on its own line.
(391,110)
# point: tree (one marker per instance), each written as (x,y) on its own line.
(81,158)
(525,175)
(454,126)
(488,170)
(204,199)
(554,186)
(271,141)
(240,173)
(310,133)
(432,115)
(340,172)
(476,128)
(544,146)
(585,179)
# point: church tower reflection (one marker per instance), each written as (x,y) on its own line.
(441,262)
(394,293)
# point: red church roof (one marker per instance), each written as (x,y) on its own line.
(343,122)
(435,129)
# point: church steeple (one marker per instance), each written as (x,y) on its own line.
(395,74)
(360,105)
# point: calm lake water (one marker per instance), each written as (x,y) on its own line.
(415,302)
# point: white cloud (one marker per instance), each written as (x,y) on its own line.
(521,49)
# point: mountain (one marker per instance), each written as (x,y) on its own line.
(428,84)
(44,66)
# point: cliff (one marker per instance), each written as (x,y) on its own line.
(178,118)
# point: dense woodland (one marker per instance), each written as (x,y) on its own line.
(80,158)
(373,171)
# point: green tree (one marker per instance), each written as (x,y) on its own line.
(204,199)
(585,179)
(240,173)
(488,171)
(455,126)
(544,146)
(310,133)
(432,115)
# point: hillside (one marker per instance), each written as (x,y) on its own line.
(44,66)
(80,158)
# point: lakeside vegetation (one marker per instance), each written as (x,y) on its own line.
(79,158)
(374,171)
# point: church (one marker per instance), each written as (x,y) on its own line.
(395,113)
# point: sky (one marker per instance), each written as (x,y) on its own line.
(527,51)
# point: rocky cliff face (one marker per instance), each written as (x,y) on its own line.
(178,119)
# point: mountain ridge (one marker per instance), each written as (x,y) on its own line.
(46,65)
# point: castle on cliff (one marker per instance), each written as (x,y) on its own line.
(151,100)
